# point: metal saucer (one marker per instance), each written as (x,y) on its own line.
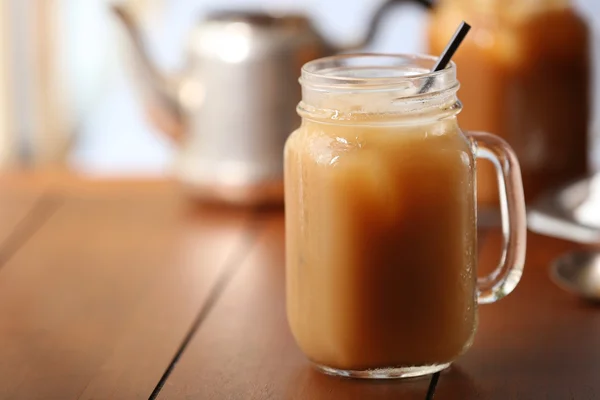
(578,272)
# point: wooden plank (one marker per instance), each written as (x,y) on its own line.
(23,210)
(96,303)
(538,343)
(244,349)
(15,205)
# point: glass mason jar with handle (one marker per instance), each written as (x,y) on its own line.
(381,235)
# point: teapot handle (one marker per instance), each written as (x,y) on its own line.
(383,10)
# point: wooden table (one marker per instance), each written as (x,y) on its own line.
(125,290)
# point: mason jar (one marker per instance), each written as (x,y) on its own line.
(381,218)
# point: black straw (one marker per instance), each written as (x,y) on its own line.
(432,385)
(448,52)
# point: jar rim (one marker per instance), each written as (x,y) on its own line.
(376,71)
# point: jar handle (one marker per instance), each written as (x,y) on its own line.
(512,206)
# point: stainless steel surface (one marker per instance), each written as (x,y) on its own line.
(234,104)
(579,273)
(571,212)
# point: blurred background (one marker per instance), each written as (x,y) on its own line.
(67,95)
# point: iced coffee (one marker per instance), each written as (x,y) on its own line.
(381,243)
(381,219)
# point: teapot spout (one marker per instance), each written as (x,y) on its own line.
(159,91)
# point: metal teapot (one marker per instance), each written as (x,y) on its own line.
(234,104)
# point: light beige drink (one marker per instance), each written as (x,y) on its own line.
(380,243)
(381,218)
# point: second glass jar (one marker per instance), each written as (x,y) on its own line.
(525,75)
